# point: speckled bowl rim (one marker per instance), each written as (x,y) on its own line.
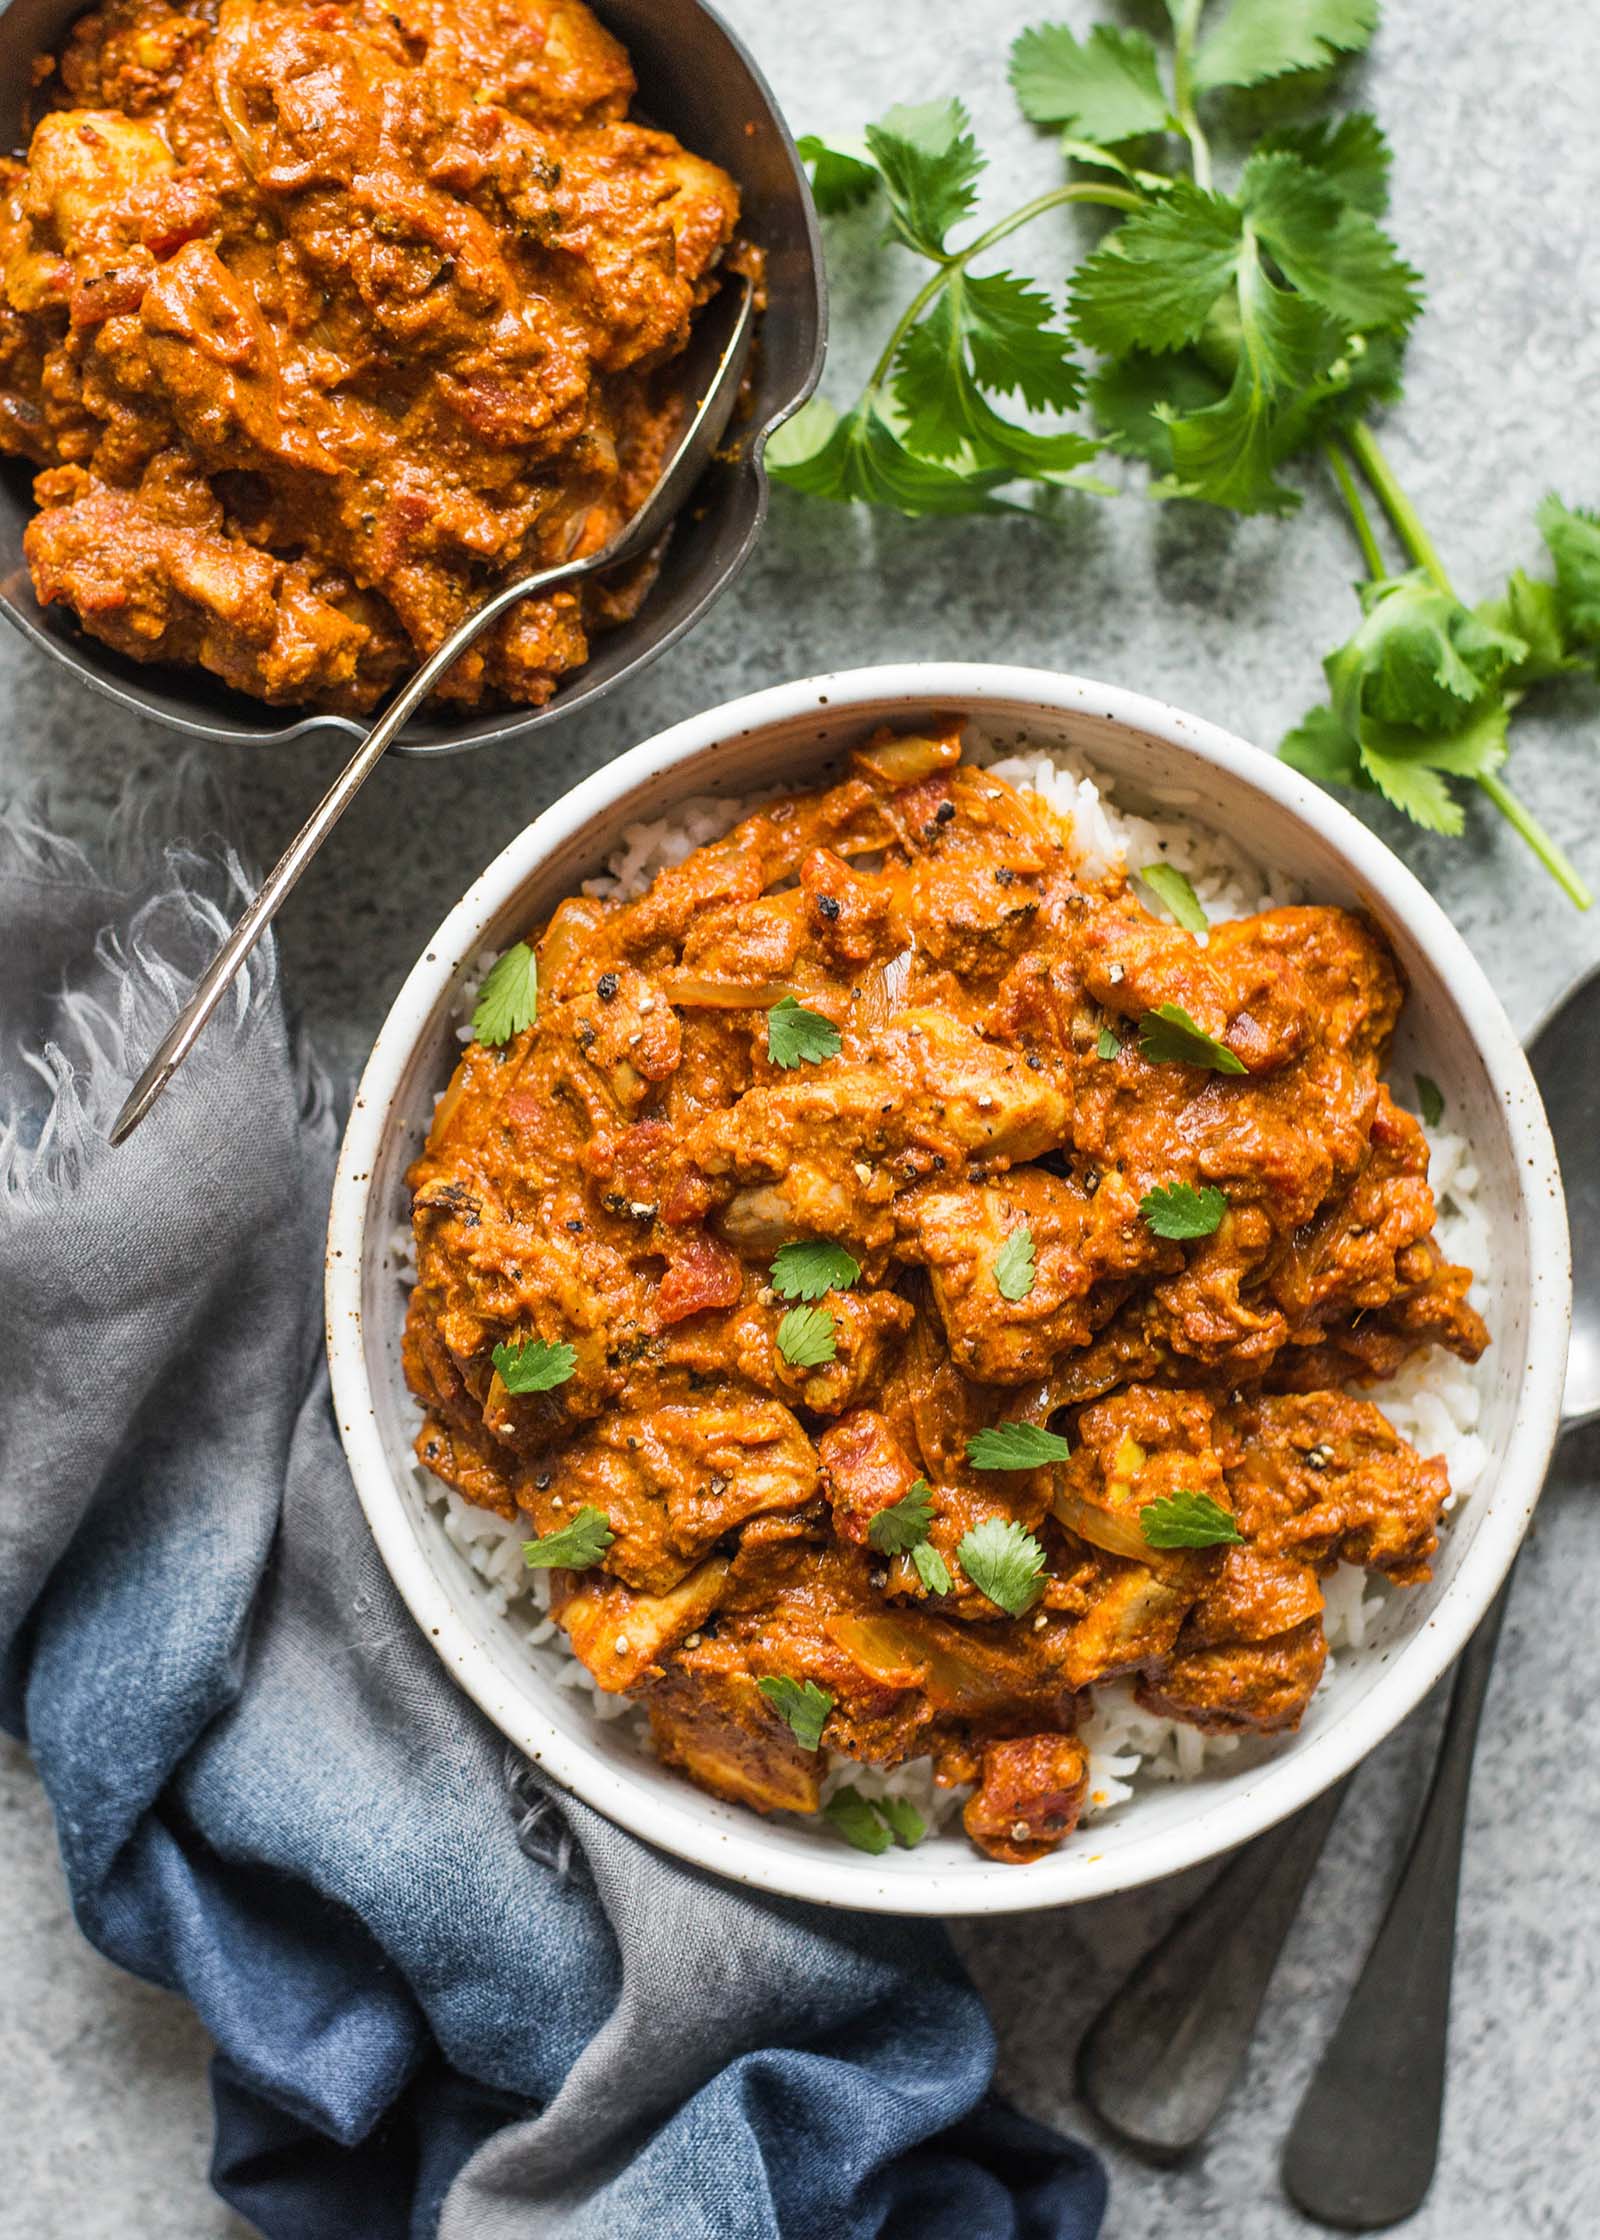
(1228,1811)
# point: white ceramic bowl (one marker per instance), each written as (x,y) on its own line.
(1454,1029)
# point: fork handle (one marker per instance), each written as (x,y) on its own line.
(1159,2060)
(1365,2141)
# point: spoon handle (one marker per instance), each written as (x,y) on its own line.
(1161,2057)
(1365,2141)
(214,983)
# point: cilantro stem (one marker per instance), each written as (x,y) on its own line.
(1337,459)
(1112,198)
(1385,485)
(1554,858)
(1185,24)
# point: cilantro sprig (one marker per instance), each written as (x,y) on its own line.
(1235,319)
(895,1531)
(1168,1036)
(811,1268)
(1005,1562)
(1188,1520)
(874,1824)
(534,1366)
(801,1704)
(575,1547)
(1015,1446)
(508,1001)
(1013,1264)
(798,1037)
(1181,1213)
(902,1530)
(806,1337)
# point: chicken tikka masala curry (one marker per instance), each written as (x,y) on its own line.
(902,1282)
(322,318)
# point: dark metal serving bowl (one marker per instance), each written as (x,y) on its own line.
(695,80)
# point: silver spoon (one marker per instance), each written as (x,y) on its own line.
(1159,2060)
(682,471)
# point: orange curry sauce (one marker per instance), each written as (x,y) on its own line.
(620,1177)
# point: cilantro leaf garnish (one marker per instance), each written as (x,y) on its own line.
(874,1823)
(798,1037)
(801,1704)
(931,1568)
(806,1337)
(1107,1045)
(508,1001)
(575,1547)
(1015,1446)
(907,1822)
(895,1531)
(1168,1036)
(1013,1264)
(1180,1212)
(1166,880)
(534,1366)
(1188,1520)
(1430,1100)
(1004,1562)
(848,1811)
(812,1267)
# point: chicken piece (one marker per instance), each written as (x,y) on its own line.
(867,1327)
(673,1479)
(1084,1250)
(865,1469)
(1143,1445)
(612,1046)
(622,1636)
(1132,1624)
(1253,1597)
(722,1732)
(1259,1687)
(170,591)
(1347,970)
(1254,1002)
(1327,1478)
(83,162)
(964,1097)
(1030,1797)
(804,1157)
(1349,1260)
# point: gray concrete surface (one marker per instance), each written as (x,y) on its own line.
(103,2121)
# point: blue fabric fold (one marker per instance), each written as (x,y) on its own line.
(444,2000)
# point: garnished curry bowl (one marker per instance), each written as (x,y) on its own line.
(333,603)
(1452,1034)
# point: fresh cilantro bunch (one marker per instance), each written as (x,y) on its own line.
(1423,693)
(1233,327)
(927,434)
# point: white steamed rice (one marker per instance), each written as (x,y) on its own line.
(1434,1402)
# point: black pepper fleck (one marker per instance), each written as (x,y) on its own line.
(945,811)
(606,987)
(828,905)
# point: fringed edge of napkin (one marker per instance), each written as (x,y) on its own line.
(164,906)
